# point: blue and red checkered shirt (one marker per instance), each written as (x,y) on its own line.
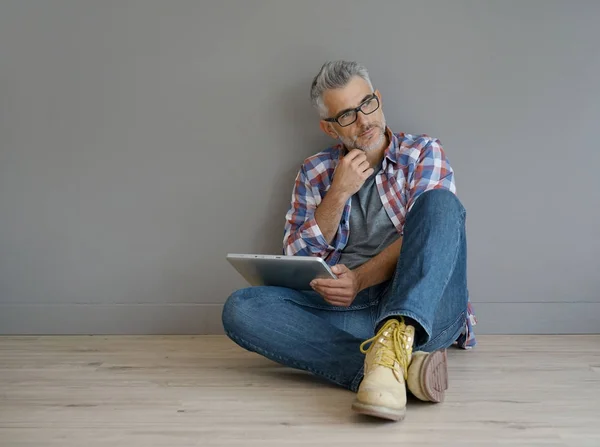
(412,164)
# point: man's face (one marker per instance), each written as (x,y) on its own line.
(368,131)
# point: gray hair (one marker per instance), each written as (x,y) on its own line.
(335,74)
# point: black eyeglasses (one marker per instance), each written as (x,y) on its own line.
(347,117)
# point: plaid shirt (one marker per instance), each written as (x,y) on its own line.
(412,164)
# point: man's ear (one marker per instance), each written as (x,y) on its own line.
(327,128)
(378,93)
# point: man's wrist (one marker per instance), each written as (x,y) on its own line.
(361,280)
(338,196)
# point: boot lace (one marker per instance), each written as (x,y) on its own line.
(393,344)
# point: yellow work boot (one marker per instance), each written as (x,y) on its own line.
(382,392)
(428,375)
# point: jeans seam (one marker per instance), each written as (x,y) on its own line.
(335,308)
(285,360)
(445,331)
(357,379)
(371,303)
(457,252)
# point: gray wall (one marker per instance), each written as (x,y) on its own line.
(140,141)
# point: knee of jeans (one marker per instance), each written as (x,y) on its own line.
(238,310)
(441,200)
(234,310)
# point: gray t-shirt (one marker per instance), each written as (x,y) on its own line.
(371,229)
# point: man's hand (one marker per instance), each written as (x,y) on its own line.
(351,173)
(340,291)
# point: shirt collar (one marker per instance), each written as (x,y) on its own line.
(391,153)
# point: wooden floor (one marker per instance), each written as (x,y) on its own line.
(205,391)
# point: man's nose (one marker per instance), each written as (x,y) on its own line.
(361,119)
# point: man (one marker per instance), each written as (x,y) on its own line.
(381,209)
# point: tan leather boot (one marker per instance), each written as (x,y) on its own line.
(428,375)
(382,392)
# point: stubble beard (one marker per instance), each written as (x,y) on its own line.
(375,142)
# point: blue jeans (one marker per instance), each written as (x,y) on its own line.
(300,330)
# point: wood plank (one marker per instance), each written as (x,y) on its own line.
(204,390)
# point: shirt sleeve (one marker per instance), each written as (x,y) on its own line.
(432,171)
(302,235)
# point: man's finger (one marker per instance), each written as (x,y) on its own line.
(334,294)
(368,173)
(326,283)
(335,291)
(339,269)
(364,166)
(331,291)
(340,303)
(337,302)
(337,299)
(353,154)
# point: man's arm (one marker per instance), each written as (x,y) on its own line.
(349,176)
(302,234)
(379,268)
(311,229)
(342,291)
(329,213)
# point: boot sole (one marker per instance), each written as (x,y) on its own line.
(434,376)
(380,412)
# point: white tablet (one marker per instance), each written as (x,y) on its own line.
(294,272)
